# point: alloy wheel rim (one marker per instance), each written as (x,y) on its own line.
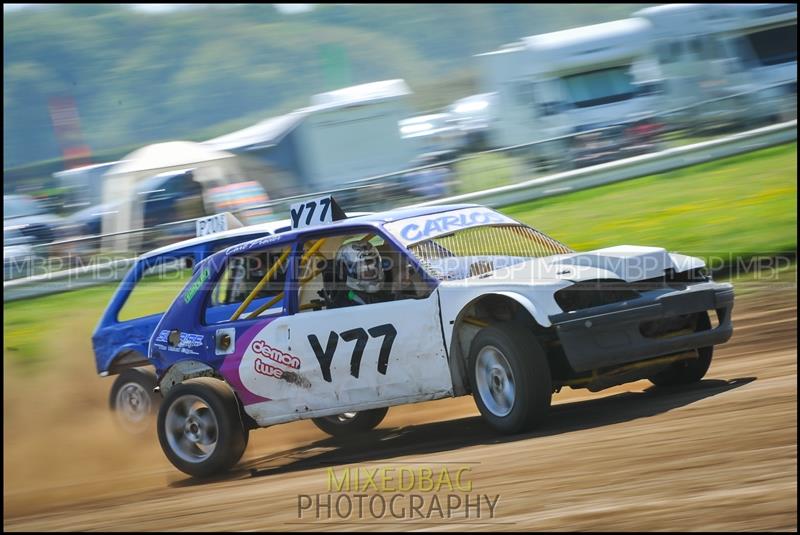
(192,429)
(495,381)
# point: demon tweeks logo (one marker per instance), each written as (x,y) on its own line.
(260,347)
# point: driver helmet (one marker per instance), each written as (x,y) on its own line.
(359,265)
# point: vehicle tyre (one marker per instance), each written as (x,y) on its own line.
(510,378)
(200,428)
(351,423)
(688,371)
(132,399)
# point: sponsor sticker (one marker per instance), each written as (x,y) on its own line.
(196,285)
(186,342)
(252,244)
(260,347)
(422,228)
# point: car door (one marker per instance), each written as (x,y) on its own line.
(320,361)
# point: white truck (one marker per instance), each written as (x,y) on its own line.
(743,57)
(560,83)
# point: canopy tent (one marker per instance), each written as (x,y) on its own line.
(211,168)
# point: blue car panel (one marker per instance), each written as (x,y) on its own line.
(122,344)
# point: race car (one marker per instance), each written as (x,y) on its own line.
(342,317)
(121,337)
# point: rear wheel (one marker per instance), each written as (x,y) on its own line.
(691,370)
(510,378)
(200,428)
(132,399)
(351,423)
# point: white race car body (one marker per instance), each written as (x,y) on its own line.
(291,362)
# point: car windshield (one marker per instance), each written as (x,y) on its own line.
(20,207)
(477,250)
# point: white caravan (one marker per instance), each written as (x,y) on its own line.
(579,79)
(432,133)
(713,51)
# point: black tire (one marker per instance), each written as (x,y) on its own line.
(530,378)
(133,401)
(343,426)
(229,434)
(688,371)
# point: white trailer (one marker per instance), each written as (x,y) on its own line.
(432,133)
(714,51)
(353,133)
(558,83)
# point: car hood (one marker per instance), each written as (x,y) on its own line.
(625,262)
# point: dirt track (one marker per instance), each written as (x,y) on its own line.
(721,455)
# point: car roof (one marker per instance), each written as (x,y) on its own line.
(271,227)
(373,219)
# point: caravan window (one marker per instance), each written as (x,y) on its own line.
(774,46)
(712,49)
(696,46)
(665,52)
(600,87)
(675,50)
(524,92)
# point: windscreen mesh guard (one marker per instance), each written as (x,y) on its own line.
(489,241)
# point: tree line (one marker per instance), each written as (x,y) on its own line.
(202,71)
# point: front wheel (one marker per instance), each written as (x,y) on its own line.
(510,378)
(132,399)
(200,428)
(351,423)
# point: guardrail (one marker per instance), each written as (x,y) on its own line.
(66,280)
(636,166)
(536,188)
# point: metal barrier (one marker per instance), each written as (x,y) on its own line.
(573,180)
(637,166)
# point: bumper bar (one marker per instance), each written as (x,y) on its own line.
(611,335)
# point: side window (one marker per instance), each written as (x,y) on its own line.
(696,46)
(157,288)
(525,93)
(675,50)
(709,48)
(547,104)
(251,285)
(663,52)
(355,269)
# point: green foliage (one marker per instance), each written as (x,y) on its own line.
(736,207)
(196,72)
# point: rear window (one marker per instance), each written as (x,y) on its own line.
(157,289)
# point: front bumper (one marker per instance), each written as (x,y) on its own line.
(611,335)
